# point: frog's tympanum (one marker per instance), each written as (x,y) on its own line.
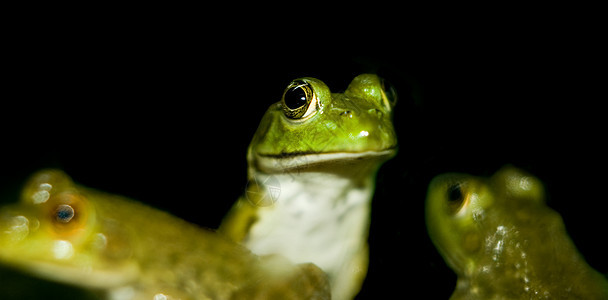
(312,166)
(503,242)
(121,249)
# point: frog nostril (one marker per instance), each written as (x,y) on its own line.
(455,197)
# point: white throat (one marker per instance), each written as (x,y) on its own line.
(316,217)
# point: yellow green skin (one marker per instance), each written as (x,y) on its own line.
(120,249)
(503,242)
(335,147)
(357,120)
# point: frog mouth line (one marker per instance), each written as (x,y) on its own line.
(287,162)
(96,279)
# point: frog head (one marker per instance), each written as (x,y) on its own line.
(466,214)
(54,232)
(311,126)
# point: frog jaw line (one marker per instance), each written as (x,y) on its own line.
(97,279)
(283,163)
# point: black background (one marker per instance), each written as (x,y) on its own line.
(161,109)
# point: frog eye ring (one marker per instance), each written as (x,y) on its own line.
(455,197)
(297,100)
(67,213)
(389,94)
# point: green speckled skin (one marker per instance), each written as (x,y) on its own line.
(120,247)
(503,242)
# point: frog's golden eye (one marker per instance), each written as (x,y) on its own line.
(299,100)
(455,197)
(66,213)
(389,94)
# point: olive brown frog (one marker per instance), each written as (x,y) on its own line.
(504,242)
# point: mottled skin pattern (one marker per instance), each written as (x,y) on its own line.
(144,251)
(503,242)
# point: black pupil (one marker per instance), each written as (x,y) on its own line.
(455,197)
(295,97)
(64,213)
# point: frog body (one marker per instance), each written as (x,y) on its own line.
(122,249)
(311,167)
(503,242)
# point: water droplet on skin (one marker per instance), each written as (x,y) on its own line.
(160,297)
(101,241)
(525,183)
(40,197)
(63,249)
(19,228)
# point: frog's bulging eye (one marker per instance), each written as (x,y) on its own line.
(455,198)
(66,213)
(297,100)
(389,94)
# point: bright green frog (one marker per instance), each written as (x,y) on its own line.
(503,242)
(312,167)
(121,249)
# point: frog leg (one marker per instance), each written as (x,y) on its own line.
(282,280)
(244,213)
(361,263)
(349,286)
(238,221)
